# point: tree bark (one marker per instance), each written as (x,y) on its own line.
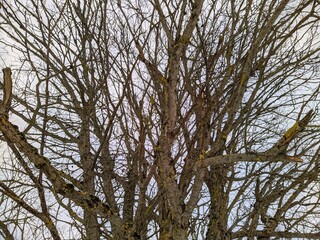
(90,218)
(171,229)
(216,182)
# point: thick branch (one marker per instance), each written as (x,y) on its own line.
(60,186)
(7,89)
(282,145)
(277,153)
(233,158)
(5,230)
(286,235)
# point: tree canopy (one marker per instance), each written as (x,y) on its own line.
(186,119)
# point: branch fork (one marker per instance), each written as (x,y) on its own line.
(277,153)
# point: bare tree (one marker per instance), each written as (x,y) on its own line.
(160,119)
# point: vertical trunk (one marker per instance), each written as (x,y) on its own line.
(129,194)
(90,219)
(108,166)
(129,199)
(172,228)
(141,222)
(216,181)
(172,225)
(91,225)
(173,232)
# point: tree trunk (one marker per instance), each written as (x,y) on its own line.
(172,226)
(91,225)
(171,229)
(216,181)
(90,219)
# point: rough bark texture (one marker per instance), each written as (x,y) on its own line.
(160,119)
(216,182)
